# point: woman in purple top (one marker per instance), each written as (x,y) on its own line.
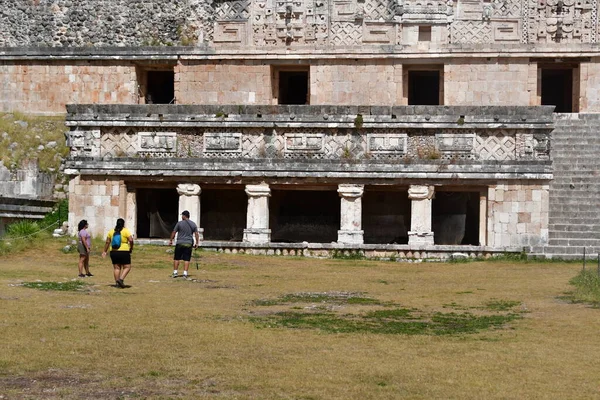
(84,246)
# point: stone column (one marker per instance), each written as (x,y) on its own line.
(420,233)
(189,199)
(257,218)
(131,211)
(351,214)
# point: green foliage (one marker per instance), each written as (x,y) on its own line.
(23,228)
(358,121)
(58,215)
(70,286)
(587,287)
(348,255)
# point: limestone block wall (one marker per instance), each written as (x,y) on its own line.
(198,82)
(518,214)
(589,101)
(349,82)
(47,86)
(498,82)
(99,201)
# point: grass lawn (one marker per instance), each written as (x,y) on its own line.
(253,327)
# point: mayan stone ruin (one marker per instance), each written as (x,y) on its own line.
(389,128)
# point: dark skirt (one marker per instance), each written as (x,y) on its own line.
(120,257)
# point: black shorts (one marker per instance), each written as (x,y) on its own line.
(120,257)
(183,252)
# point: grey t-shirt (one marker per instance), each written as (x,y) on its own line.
(185,231)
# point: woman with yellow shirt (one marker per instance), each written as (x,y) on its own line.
(121,249)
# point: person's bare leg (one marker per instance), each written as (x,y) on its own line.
(125,271)
(81,261)
(116,271)
(86,264)
(175,266)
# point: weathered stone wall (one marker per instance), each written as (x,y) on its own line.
(199,82)
(100,22)
(245,23)
(99,201)
(589,101)
(518,214)
(356,82)
(499,82)
(26,182)
(46,87)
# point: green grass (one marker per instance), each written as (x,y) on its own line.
(69,286)
(390,322)
(494,314)
(587,287)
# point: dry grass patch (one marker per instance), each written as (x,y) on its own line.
(197,338)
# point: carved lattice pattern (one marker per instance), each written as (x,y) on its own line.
(498,146)
(470,32)
(119,142)
(232,10)
(376,10)
(346,33)
(507,8)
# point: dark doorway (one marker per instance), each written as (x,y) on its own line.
(424,88)
(455,218)
(293,87)
(157,212)
(304,216)
(386,217)
(223,214)
(557,89)
(160,87)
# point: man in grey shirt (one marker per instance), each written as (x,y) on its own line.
(185,230)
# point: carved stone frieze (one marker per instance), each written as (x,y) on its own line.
(453,145)
(223,142)
(84,143)
(157,142)
(382,143)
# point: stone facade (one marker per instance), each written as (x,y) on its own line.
(435,120)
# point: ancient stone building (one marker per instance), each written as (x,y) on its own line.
(396,128)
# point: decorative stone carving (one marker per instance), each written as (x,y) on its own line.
(455,145)
(495,146)
(84,143)
(155,143)
(304,142)
(387,143)
(222,142)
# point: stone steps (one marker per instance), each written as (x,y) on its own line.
(574,221)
